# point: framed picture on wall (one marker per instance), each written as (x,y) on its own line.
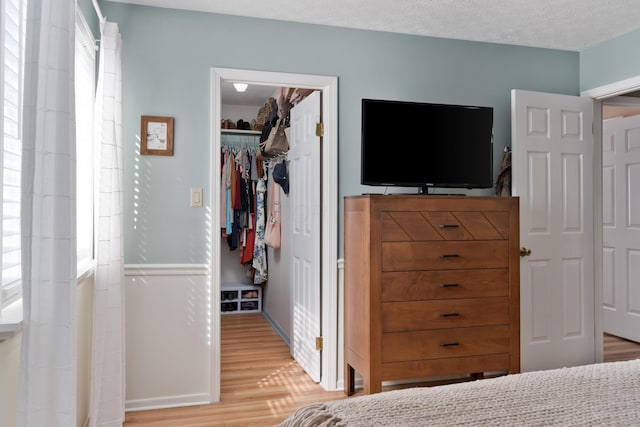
(156,136)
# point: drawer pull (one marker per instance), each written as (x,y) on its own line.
(449,226)
(449,285)
(449,314)
(449,256)
(449,344)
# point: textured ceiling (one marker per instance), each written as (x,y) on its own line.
(556,24)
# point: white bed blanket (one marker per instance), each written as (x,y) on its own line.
(606,394)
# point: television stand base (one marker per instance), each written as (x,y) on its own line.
(424,190)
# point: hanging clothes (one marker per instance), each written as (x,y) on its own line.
(231,182)
(259,250)
(233,238)
(239,177)
(254,169)
(249,244)
(228,217)
(237,198)
(243,187)
(232,177)
(224,176)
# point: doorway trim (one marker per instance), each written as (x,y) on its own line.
(613,89)
(329,220)
(598,94)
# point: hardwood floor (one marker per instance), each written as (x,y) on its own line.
(616,348)
(261,384)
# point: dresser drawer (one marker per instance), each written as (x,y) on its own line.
(461,313)
(443,343)
(442,255)
(470,225)
(421,285)
(449,366)
(442,225)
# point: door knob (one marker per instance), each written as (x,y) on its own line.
(525,252)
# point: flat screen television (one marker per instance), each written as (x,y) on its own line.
(412,144)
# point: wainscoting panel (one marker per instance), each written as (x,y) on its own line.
(168,336)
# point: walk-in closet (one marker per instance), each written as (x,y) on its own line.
(262,178)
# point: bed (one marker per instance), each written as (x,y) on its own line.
(606,394)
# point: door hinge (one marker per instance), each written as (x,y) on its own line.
(320,129)
(319,343)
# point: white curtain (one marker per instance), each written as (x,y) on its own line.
(108,357)
(47,378)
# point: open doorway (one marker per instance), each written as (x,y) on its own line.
(329,210)
(282,282)
(266,287)
(620,220)
(600,95)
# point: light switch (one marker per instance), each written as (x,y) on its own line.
(196,197)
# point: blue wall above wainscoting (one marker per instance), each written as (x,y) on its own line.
(167,57)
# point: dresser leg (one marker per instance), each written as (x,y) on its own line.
(476,376)
(349,379)
(373,386)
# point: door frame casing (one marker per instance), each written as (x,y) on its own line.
(599,94)
(329,212)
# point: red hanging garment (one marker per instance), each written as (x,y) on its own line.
(247,252)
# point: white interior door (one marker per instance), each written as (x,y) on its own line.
(552,142)
(621,226)
(304,156)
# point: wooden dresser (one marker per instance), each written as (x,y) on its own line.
(431,287)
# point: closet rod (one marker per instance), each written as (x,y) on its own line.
(250,141)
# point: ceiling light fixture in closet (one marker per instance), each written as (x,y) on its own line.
(240,87)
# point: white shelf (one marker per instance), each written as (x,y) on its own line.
(241,132)
(240,298)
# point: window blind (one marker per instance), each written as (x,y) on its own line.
(85,99)
(13,34)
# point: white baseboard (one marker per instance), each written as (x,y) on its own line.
(167,402)
(277,328)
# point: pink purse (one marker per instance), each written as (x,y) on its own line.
(272,229)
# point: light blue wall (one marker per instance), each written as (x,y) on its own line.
(610,61)
(167,56)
